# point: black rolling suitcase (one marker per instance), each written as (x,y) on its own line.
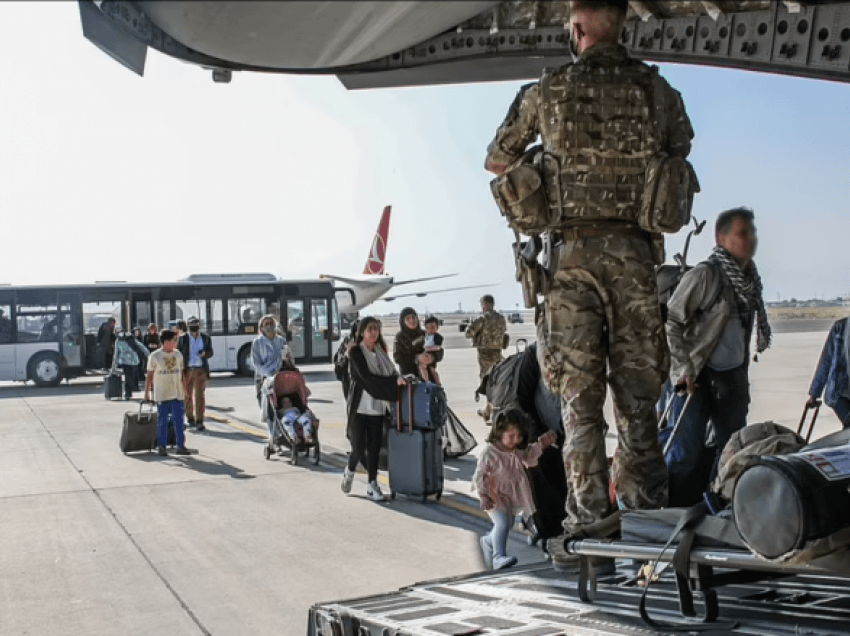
(415,458)
(112,386)
(139,431)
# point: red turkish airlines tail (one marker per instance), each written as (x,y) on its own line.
(378,251)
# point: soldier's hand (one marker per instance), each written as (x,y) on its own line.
(812,402)
(685,382)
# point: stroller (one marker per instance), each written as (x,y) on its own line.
(283,405)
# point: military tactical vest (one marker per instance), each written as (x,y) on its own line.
(598,128)
(492,331)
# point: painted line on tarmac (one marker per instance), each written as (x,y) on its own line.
(336,460)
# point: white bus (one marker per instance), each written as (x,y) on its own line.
(49,333)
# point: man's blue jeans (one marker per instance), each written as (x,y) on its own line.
(169,409)
(721,398)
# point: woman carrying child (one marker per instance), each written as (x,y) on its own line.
(502,484)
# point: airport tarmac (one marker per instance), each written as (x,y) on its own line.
(225,542)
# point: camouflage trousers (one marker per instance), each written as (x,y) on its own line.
(601,326)
(487,359)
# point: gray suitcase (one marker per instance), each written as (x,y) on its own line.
(415,459)
(139,431)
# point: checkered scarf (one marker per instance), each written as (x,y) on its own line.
(748,292)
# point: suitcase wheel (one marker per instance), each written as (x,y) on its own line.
(439,494)
(424,498)
(392,494)
(267,451)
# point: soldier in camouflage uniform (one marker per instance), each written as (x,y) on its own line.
(487,333)
(601,119)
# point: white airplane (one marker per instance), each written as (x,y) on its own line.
(357,292)
(371,44)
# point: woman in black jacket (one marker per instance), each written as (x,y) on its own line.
(409,345)
(373,385)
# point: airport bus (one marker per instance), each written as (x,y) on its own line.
(49,333)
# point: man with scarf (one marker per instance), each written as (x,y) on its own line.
(709,326)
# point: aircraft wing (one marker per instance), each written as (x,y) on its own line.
(436,291)
(392,43)
(419,280)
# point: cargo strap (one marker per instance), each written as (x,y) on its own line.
(681,566)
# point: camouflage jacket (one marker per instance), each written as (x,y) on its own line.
(636,114)
(488,330)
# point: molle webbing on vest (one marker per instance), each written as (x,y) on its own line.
(597,122)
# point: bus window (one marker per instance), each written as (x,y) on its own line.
(243,314)
(37,324)
(95,314)
(5,323)
(143,315)
(189,308)
(321,334)
(217,318)
(161,313)
(295,325)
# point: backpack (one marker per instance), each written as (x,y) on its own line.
(501,383)
(668,278)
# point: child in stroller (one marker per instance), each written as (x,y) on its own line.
(290,422)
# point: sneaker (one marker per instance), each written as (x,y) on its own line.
(200,427)
(182,450)
(373,491)
(161,451)
(347,478)
(502,562)
(486,551)
(562,560)
(190,421)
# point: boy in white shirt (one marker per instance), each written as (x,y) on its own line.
(165,377)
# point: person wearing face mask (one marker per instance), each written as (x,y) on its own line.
(268,350)
(603,121)
(197,349)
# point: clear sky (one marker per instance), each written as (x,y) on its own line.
(108,176)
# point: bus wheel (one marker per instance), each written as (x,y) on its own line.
(44,369)
(243,368)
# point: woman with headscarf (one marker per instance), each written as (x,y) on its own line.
(373,385)
(409,345)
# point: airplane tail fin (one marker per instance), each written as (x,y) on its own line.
(378,251)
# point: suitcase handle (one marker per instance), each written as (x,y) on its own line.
(142,403)
(812,423)
(409,407)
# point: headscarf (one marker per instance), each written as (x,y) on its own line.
(409,342)
(748,292)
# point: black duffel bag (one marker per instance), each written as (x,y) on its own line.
(783,502)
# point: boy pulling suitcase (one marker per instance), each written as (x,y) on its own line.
(165,378)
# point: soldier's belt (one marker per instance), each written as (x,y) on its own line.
(575,233)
